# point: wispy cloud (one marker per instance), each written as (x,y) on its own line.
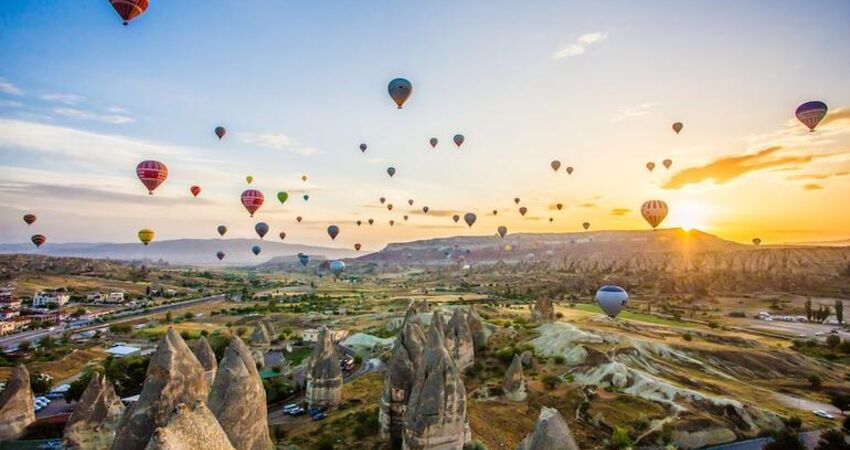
(812,187)
(620,211)
(633,112)
(277,141)
(10,103)
(794,134)
(580,45)
(115,119)
(817,176)
(67,99)
(8,88)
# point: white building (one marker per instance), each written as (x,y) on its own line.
(100,297)
(115,297)
(45,298)
(121,351)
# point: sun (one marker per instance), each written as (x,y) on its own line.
(688,215)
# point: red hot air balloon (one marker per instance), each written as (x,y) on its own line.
(38,239)
(151,174)
(654,211)
(458,139)
(252,199)
(195,190)
(811,113)
(129,9)
(29,218)
(220,132)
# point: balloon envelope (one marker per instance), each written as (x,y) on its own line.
(555,165)
(29,218)
(249,179)
(306,197)
(516,200)
(357,246)
(336,267)
(220,255)
(261,228)
(469,218)
(585,225)
(570,170)
(677,127)
(560,206)
(38,239)
(425,209)
(221,230)
(220,132)
(282,197)
(151,174)
(303,259)
(650,166)
(811,113)
(455,218)
(129,9)
(195,190)
(756,241)
(282,235)
(333,231)
(252,200)
(667,163)
(362,147)
(523,210)
(400,90)
(503,230)
(391,171)
(256,250)
(146,236)
(458,139)
(612,299)
(433,142)
(654,211)
(298,219)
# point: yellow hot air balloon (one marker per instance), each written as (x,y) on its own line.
(654,211)
(146,236)
(249,179)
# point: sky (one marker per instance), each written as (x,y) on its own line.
(299,85)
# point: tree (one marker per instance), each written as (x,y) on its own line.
(839,311)
(40,383)
(24,346)
(620,439)
(808,306)
(815,381)
(840,401)
(832,440)
(168,317)
(78,386)
(832,341)
(786,439)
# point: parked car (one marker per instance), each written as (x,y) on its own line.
(822,413)
(318,416)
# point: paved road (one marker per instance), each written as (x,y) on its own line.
(809,438)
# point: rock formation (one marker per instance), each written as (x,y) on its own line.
(237,399)
(174,376)
(261,337)
(543,310)
(17,409)
(481,331)
(95,418)
(401,373)
(513,385)
(202,350)
(270,328)
(190,428)
(436,413)
(550,433)
(459,340)
(324,378)
(421,306)
(259,358)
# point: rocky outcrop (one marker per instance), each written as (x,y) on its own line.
(202,350)
(95,418)
(513,385)
(270,328)
(174,376)
(421,306)
(543,311)
(259,358)
(190,428)
(398,382)
(238,400)
(550,433)
(324,378)
(481,330)
(436,413)
(261,336)
(459,340)
(17,409)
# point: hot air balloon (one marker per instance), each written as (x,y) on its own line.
(523,210)
(560,206)
(585,225)
(551,220)
(220,255)
(298,219)
(405,217)
(249,179)
(282,235)
(256,250)
(336,267)
(146,236)
(151,174)
(261,228)
(304,178)
(612,299)
(220,132)
(811,113)
(221,230)
(650,166)
(195,190)
(516,200)
(382,200)
(458,139)
(677,127)
(38,239)
(410,202)
(667,163)
(392,222)
(359,223)
(306,197)
(455,218)
(503,230)
(29,218)
(433,142)
(555,165)
(362,148)
(357,246)
(425,209)
(389,206)
(469,218)
(333,231)
(654,211)
(570,170)
(757,241)
(400,90)
(391,171)
(303,259)
(495,212)
(252,200)
(129,9)
(371,221)
(282,197)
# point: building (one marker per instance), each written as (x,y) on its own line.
(115,297)
(8,301)
(121,351)
(312,334)
(6,327)
(95,297)
(100,297)
(47,298)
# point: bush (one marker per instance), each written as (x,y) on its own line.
(832,440)
(620,439)
(551,381)
(475,445)
(688,336)
(40,383)
(815,381)
(559,359)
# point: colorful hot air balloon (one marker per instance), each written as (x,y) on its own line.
(333,231)
(220,132)
(195,190)
(336,267)
(221,230)
(516,200)
(650,166)
(612,299)
(455,218)
(570,170)
(400,90)
(458,139)
(146,236)
(151,174)
(371,221)
(391,171)
(252,200)
(811,113)
(585,225)
(667,163)
(261,228)
(256,250)
(410,202)
(357,247)
(249,179)
(503,230)
(306,197)
(29,218)
(38,240)
(523,210)
(298,219)
(389,206)
(425,209)
(654,211)
(129,9)
(756,241)
(220,255)
(282,197)
(362,148)
(560,206)
(433,142)
(469,218)
(303,259)
(555,165)
(282,235)
(677,127)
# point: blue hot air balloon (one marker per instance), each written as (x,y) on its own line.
(336,267)
(303,259)
(256,250)
(612,299)
(400,90)
(333,230)
(811,113)
(261,228)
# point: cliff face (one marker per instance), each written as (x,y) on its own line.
(190,428)
(550,433)
(514,383)
(202,350)
(17,409)
(324,377)
(481,331)
(93,423)
(401,373)
(459,340)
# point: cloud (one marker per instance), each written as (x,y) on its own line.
(10,103)
(68,99)
(728,168)
(620,211)
(817,176)
(633,112)
(277,141)
(9,88)
(115,119)
(587,205)
(794,134)
(436,212)
(812,187)
(88,194)
(839,115)
(580,45)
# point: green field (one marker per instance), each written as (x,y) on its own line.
(639,317)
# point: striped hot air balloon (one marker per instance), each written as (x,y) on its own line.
(654,211)
(151,174)
(129,9)
(252,199)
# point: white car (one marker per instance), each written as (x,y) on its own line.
(822,413)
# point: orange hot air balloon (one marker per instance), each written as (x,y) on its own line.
(38,239)
(129,9)
(523,210)
(677,127)
(357,246)
(570,170)
(650,166)
(151,174)
(29,218)
(585,225)
(252,200)
(654,211)
(195,190)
